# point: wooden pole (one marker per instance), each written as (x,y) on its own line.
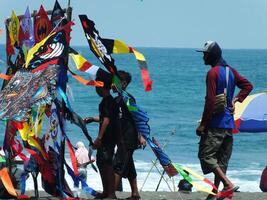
(62,147)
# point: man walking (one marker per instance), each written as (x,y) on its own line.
(215,129)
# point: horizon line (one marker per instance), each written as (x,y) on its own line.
(170,47)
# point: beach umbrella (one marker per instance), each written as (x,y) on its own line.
(251,114)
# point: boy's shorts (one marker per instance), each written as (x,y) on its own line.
(105,155)
(123,163)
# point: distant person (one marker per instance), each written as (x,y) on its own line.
(263,183)
(129,141)
(215,129)
(83,159)
(184,185)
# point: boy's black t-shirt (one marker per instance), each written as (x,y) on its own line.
(127,126)
(108,108)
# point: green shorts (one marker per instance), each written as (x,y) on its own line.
(215,149)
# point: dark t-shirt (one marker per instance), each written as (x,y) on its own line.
(128,129)
(108,108)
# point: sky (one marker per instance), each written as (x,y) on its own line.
(234,24)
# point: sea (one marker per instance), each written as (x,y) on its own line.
(174,106)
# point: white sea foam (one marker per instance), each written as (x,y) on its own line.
(246,179)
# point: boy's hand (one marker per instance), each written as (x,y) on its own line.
(88,120)
(142,141)
(97,143)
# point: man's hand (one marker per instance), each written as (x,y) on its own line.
(88,120)
(232,109)
(97,143)
(200,130)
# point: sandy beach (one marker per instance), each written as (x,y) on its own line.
(175,195)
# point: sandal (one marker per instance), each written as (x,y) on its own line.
(227,193)
(135,197)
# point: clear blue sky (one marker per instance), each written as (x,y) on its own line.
(165,23)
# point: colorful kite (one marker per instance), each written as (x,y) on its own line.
(25,90)
(27,38)
(50,50)
(119,47)
(58,18)
(42,25)
(102,48)
(9,47)
(13,29)
(96,44)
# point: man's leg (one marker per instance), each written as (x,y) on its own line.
(220,176)
(224,155)
(209,145)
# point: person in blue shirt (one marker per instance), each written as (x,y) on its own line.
(215,129)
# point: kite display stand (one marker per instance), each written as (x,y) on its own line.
(161,173)
(68,12)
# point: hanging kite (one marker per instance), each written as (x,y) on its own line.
(58,18)
(50,50)
(13,29)
(96,44)
(102,48)
(31,93)
(27,38)
(119,47)
(25,90)
(42,25)
(9,47)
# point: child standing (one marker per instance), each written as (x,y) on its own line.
(106,139)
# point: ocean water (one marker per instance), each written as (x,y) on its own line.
(175,105)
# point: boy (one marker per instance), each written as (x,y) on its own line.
(107,137)
(129,141)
